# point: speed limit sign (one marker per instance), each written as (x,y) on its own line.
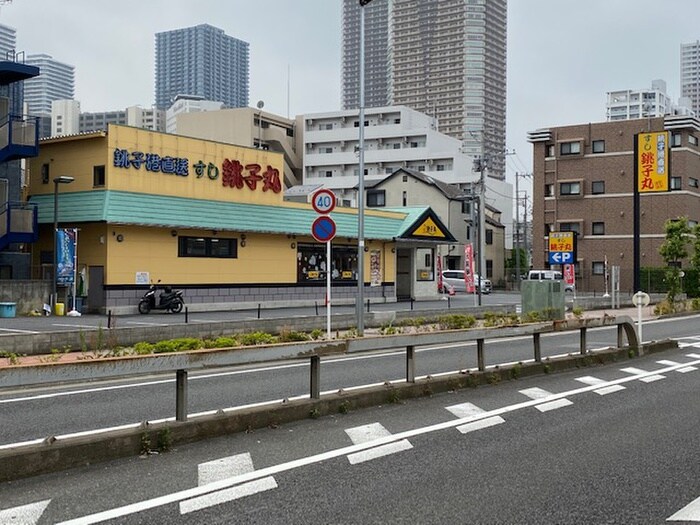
(323,201)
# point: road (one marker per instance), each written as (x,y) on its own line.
(607,444)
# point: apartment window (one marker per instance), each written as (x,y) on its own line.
(570,227)
(404,178)
(598,187)
(98,176)
(421,167)
(598,228)
(489,236)
(440,167)
(598,267)
(598,146)
(570,188)
(549,150)
(489,268)
(328,173)
(376,198)
(692,182)
(675,183)
(327,150)
(570,148)
(676,140)
(212,247)
(549,190)
(693,140)
(388,170)
(397,121)
(414,144)
(44,173)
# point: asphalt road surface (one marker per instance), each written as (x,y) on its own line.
(612,444)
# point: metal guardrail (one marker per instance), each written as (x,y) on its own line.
(182,363)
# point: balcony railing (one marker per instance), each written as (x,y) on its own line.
(19,137)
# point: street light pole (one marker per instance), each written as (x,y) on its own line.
(261,104)
(63,179)
(361,182)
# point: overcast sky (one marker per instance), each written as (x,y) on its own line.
(563,55)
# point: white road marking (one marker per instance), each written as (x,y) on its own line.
(553,405)
(609,390)
(690,512)
(134,508)
(369,433)
(590,380)
(146,324)
(76,325)
(226,495)
(465,410)
(24,515)
(380,451)
(14,330)
(223,468)
(535,393)
(481,424)
(687,369)
(694,356)
(366,433)
(646,377)
(683,370)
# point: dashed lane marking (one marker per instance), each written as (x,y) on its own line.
(367,433)
(223,468)
(645,377)
(15,331)
(226,495)
(25,514)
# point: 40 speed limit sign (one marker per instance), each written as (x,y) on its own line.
(323,201)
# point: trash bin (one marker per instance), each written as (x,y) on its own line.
(60,309)
(8,309)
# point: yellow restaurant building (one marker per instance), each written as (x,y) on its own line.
(209,218)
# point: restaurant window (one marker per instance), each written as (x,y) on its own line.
(211,247)
(98,176)
(44,173)
(311,263)
(424,264)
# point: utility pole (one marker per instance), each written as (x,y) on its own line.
(480,165)
(519,225)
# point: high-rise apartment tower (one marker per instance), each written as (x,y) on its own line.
(445,58)
(690,74)
(201,61)
(56,81)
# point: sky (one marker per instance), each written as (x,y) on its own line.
(563,55)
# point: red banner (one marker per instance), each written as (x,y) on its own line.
(439,273)
(569,274)
(469,268)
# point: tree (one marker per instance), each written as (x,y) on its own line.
(674,249)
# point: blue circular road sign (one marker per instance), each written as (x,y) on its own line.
(323,229)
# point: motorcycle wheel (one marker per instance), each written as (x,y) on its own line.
(144,307)
(176,307)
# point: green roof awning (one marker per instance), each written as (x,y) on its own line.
(119,207)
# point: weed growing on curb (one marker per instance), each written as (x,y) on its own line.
(145,444)
(344,407)
(165,439)
(314,413)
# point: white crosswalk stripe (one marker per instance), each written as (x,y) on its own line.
(690,512)
(24,514)
(539,393)
(535,393)
(465,410)
(593,381)
(368,433)
(226,495)
(640,372)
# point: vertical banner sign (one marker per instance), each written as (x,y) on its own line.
(66,240)
(375,268)
(652,162)
(469,268)
(439,271)
(569,274)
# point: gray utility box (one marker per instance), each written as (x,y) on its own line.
(547,298)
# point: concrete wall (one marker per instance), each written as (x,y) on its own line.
(29,295)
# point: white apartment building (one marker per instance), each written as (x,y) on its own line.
(395,137)
(65,117)
(690,74)
(187,104)
(644,103)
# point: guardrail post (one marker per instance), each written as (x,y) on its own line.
(181,395)
(583,341)
(187,315)
(480,354)
(538,348)
(620,336)
(411,364)
(258,310)
(315,379)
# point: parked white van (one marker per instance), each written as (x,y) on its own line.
(548,275)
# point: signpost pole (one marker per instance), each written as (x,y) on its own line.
(328,289)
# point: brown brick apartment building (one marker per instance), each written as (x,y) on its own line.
(583,181)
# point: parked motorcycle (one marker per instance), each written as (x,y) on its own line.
(169,299)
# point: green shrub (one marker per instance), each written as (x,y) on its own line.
(288,336)
(221,342)
(257,338)
(144,348)
(456,321)
(317,334)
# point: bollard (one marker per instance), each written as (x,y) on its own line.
(481,361)
(316,306)
(449,303)
(181,395)
(582,341)
(411,303)
(258,310)
(367,305)
(109,319)
(537,347)
(410,364)
(186,315)
(315,379)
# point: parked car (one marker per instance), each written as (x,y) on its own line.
(455,279)
(549,275)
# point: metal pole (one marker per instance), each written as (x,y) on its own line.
(361,185)
(481,263)
(517,234)
(54,298)
(328,290)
